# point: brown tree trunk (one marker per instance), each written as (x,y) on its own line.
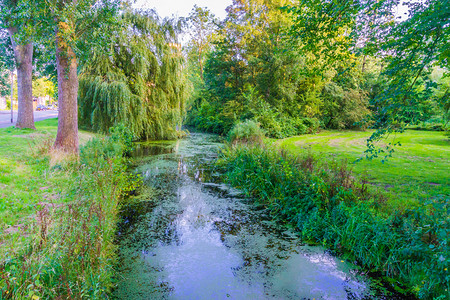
(363,64)
(24,62)
(66,65)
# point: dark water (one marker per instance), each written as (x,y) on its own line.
(199,239)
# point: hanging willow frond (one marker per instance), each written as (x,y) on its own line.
(141,84)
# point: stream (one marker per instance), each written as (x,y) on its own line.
(197,238)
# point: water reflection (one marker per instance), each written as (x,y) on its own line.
(199,240)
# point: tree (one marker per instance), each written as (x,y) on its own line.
(254,72)
(43,87)
(201,25)
(140,83)
(6,62)
(19,19)
(409,49)
(415,46)
(333,30)
(79,25)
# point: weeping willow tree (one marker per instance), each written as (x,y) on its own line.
(140,82)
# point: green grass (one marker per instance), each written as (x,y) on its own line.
(58,214)
(24,177)
(419,169)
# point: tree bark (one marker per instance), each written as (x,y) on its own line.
(24,62)
(66,65)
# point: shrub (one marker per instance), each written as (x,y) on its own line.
(247,132)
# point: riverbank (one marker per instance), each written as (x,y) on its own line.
(328,205)
(58,215)
(195,237)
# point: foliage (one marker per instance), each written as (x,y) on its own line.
(140,83)
(6,63)
(69,250)
(201,25)
(247,132)
(256,71)
(409,49)
(345,100)
(43,87)
(334,31)
(329,207)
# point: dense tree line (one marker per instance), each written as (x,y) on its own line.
(296,67)
(293,67)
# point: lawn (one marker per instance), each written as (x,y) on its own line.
(26,183)
(419,169)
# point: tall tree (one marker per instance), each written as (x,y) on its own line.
(6,62)
(79,25)
(201,26)
(19,19)
(415,46)
(409,49)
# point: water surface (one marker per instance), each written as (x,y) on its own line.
(197,238)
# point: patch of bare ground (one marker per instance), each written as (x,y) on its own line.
(336,142)
(32,135)
(386,187)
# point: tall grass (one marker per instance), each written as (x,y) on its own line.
(72,253)
(329,207)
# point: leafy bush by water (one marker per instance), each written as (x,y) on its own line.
(329,207)
(246,132)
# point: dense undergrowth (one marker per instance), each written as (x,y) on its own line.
(70,253)
(329,207)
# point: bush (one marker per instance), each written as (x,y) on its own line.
(206,117)
(247,132)
(329,207)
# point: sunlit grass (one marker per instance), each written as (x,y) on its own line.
(24,177)
(419,168)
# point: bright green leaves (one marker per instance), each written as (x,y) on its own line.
(335,31)
(415,46)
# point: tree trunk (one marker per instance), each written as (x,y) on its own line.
(363,64)
(66,65)
(24,62)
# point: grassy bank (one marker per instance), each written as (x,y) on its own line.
(327,203)
(419,168)
(58,214)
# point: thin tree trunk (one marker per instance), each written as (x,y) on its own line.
(363,64)
(66,65)
(24,62)
(12,96)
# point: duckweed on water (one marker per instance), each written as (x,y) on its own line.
(199,239)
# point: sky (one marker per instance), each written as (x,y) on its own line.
(181,8)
